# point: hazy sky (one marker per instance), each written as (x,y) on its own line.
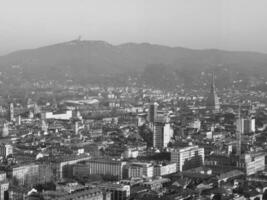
(224,24)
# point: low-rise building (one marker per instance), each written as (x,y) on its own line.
(26,174)
(101,167)
(82,194)
(118,191)
(140,170)
(165,169)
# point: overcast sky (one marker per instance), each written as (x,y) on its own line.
(223,24)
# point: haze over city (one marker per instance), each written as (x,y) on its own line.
(219,24)
(133,100)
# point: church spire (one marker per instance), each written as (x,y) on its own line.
(213,100)
(213,81)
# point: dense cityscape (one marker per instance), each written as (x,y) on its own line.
(117,143)
(133,100)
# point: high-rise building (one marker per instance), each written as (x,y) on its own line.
(162,134)
(187,157)
(76,127)
(213,103)
(152,112)
(245,125)
(4,190)
(11,112)
(44,126)
(5,130)
(167,134)
(239,133)
(19,120)
(252,125)
(5,150)
(252,162)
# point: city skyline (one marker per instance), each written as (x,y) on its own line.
(133,100)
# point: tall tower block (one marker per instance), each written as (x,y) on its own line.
(239,132)
(76,127)
(11,112)
(213,103)
(152,112)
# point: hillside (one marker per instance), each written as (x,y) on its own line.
(84,59)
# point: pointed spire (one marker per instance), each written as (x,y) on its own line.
(213,100)
(213,81)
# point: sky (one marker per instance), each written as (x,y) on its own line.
(200,24)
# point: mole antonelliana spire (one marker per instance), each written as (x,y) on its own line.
(213,103)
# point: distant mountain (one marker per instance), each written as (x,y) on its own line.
(85,59)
